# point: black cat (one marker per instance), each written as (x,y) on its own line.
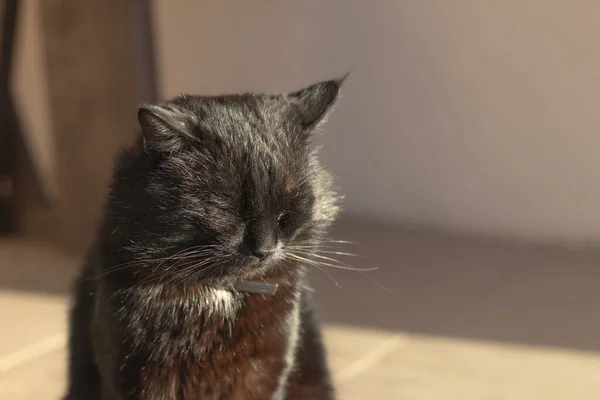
(220,203)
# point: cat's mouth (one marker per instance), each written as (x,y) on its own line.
(249,281)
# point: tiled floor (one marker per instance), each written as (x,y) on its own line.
(443,318)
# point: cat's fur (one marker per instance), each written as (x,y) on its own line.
(215,191)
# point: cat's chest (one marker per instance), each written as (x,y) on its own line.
(232,350)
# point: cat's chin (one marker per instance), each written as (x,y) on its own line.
(254,270)
(233,273)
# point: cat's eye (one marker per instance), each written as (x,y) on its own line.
(282,219)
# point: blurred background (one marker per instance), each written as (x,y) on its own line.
(465,141)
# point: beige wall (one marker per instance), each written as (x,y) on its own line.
(475,115)
(77,92)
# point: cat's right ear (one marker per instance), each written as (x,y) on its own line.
(165,128)
(316,101)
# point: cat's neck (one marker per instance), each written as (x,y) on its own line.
(127,276)
(211,301)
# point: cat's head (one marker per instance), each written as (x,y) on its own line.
(225,187)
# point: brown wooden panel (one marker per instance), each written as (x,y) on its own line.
(93,94)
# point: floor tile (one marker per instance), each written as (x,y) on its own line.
(345,345)
(432,368)
(41,379)
(29,318)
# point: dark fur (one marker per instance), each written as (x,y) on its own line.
(212,185)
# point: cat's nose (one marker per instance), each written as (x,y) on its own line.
(261,243)
(262,246)
(263,252)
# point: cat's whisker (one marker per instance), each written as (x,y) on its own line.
(361,271)
(188,260)
(320,246)
(192,271)
(186,252)
(116,268)
(317,250)
(343,253)
(342,266)
(171,277)
(315,254)
(147,261)
(323,241)
(298,258)
(183,273)
(188,256)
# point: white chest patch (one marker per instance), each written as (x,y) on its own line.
(293,331)
(219,301)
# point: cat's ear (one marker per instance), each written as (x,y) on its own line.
(165,128)
(316,101)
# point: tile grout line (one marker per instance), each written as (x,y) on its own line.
(31,352)
(372,357)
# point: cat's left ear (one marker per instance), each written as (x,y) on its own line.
(165,127)
(316,101)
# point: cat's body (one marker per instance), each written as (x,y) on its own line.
(218,190)
(190,351)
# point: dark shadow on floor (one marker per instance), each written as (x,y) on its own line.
(436,284)
(31,265)
(464,287)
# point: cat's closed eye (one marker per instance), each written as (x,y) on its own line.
(284,221)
